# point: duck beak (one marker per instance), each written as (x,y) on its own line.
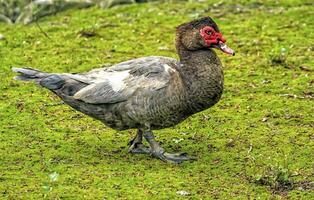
(224,48)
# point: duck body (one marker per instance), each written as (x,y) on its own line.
(145,91)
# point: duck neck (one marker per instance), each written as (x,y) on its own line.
(199,66)
(202,73)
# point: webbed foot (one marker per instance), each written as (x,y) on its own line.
(155,150)
(138,148)
(176,158)
(136,145)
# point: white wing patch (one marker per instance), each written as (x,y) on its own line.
(116,80)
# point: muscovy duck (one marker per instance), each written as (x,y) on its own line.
(147,93)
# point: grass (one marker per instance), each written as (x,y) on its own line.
(256,143)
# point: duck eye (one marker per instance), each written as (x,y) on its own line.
(209,32)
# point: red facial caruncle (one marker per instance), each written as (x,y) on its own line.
(215,39)
(210,36)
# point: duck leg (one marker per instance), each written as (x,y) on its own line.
(158,152)
(136,144)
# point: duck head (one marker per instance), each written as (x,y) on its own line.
(202,34)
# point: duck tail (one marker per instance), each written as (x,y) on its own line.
(47,80)
(29,74)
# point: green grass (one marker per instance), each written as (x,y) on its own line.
(256,143)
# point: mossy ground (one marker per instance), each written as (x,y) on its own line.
(256,143)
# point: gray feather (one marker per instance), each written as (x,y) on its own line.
(146,73)
(100,93)
(28,74)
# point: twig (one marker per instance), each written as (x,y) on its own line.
(39,27)
(41,30)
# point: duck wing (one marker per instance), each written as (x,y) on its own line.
(121,81)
